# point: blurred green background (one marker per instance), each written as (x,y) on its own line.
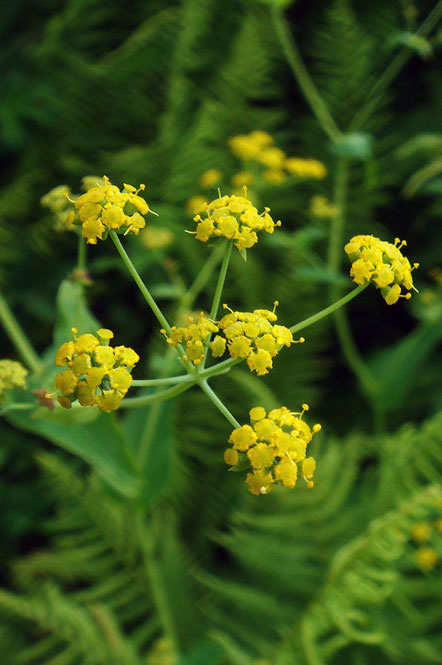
(151,91)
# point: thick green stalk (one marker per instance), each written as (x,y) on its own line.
(218,403)
(302,76)
(19,338)
(327,310)
(139,282)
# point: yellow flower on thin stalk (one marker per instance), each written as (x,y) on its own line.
(105,207)
(380,262)
(235,218)
(275,444)
(97,374)
(253,336)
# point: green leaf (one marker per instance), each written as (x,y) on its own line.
(150,429)
(72,312)
(396,367)
(205,652)
(100,443)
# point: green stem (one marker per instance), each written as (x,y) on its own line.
(349,349)
(338,224)
(81,256)
(217,296)
(352,354)
(221,280)
(219,368)
(136,402)
(19,338)
(218,403)
(145,383)
(328,310)
(393,69)
(139,282)
(202,278)
(302,76)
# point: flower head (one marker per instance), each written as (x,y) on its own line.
(59,205)
(210,178)
(233,217)
(250,147)
(275,444)
(194,337)
(105,207)
(305,168)
(96,373)
(12,375)
(380,262)
(254,337)
(320,206)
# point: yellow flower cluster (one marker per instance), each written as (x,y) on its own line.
(380,262)
(258,146)
(105,207)
(156,237)
(233,217)
(275,445)
(242,179)
(12,375)
(97,373)
(210,178)
(426,535)
(58,204)
(192,337)
(320,206)
(252,336)
(305,168)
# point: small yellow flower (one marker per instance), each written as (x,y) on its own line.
(243,437)
(66,381)
(56,200)
(218,346)
(155,237)
(320,206)
(275,176)
(380,262)
(196,205)
(249,147)
(12,375)
(426,558)
(420,532)
(305,168)
(231,456)
(276,445)
(210,178)
(243,179)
